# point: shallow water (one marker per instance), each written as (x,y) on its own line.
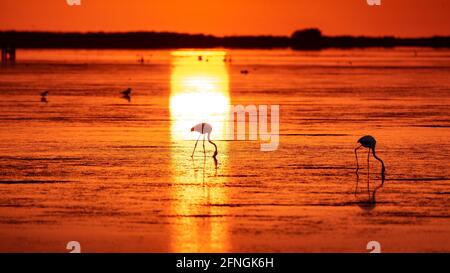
(89,166)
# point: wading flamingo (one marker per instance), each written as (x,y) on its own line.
(369,142)
(204,129)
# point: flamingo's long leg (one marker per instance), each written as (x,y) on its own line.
(204,151)
(368,172)
(204,167)
(356,155)
(195,146)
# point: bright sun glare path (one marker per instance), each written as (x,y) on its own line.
(199,93)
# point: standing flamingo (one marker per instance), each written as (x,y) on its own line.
(369,142)
(203,129)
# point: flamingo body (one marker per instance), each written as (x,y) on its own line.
(368,142)
(202,128)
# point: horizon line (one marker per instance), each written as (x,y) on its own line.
(220,36)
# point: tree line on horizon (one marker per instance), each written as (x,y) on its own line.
(306,39)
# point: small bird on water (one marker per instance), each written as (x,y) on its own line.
(369,142)
(44,96)
(126,92)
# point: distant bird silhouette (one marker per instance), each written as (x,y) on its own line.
(44,96)
(204,129)
(245,71)
(369,142)
(227,59)
(200,58)
(126,94)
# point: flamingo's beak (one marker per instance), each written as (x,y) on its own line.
(192,129)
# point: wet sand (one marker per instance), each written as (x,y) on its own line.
(117,176)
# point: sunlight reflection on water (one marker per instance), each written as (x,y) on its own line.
(199,93)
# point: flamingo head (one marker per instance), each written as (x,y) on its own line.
(192,129)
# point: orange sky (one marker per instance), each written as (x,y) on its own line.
(405,18)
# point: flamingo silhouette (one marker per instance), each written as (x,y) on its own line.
(369,142)
(204,129)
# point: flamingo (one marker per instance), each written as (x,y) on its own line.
(203,129)
(369,142)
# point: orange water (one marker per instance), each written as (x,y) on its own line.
(89,166)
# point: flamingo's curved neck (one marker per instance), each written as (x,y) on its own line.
(379,159)
(215,146)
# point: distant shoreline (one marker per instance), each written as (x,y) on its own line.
(308,39)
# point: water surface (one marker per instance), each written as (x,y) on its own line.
(116,175)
